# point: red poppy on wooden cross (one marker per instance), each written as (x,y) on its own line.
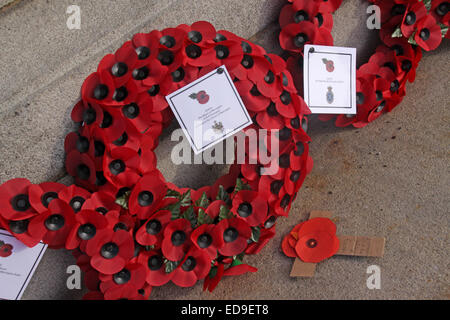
(315,240)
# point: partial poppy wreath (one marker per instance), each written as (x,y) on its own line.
(129,228)
(408,26)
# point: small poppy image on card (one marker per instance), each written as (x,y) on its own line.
(329,64)
(6,249)
(202,97)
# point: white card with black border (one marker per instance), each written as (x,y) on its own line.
(330,79)
(17,265)
(209,110)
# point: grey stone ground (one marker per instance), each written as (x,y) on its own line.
(388,179)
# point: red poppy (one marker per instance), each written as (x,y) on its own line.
(101,202)
(19,229)
(156,272)
(197,55)
(317,240)
(195,266)
(172,38)
(146,46)
(385,59)
(253,65)
(440,11)
(98,87)
(132,276)
(149,74)
(82,167)
(176,239)
(270,119)
(283,204)
(121,166)
(54,225)
(74,196)
(15,201)
(134,119)
(203,239)
(41,195)
(88,224)
(294,36)
(300,10)
(110,251)
(86,113)
(400,46)
(121,64)
(271,189)
(428,35)
(232,235)
(201,33)
(413,14)
(178,78)
(390,9)
(152,231)
(366,100)
(407,67)
(121,221)
(251,96)
(146,196)
(250,206)
(289,105)
(228,53)
(6,250)
(270,84)
(289,241)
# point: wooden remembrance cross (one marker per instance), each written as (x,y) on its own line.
(357,246)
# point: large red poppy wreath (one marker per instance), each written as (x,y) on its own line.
(129,228)
(407,27)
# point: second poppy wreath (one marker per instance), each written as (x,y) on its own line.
(128,227)
(407,28)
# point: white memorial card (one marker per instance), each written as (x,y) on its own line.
(17,265)
(330,79)
(209,110)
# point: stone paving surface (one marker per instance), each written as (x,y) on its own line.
(388,179)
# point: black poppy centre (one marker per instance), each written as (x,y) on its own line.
(230,235)
(86,231)
(311,243)
(116,167)
(19,227)
(155,263)
(204,240)
(145,198)
(122,277)
(300,40)
(20,203)
(55,222)
(178,238)
(245,210)
(153,227)
(189,264)
(109,250)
